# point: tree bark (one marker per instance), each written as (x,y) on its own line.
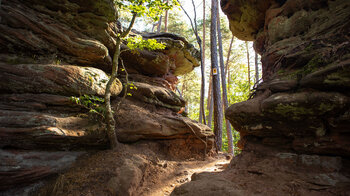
(110,122)
(224,91)
(246,45)
(210,101)
(166,19)
(218,118)
(159,24)
(202,106)
(256,69)
(227,70)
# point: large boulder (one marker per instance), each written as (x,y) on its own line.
(136,122)
(178,57)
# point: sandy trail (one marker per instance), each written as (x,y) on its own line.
(176,173)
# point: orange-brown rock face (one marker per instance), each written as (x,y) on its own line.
(303,98)
(295,131)
(53,50)
(246,17)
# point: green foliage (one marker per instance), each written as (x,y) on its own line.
(177,25)
(235,138)
(190,88)
(94,104)
(137,42)
(149,8)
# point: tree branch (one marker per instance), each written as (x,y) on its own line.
(132,22)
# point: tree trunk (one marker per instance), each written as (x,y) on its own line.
(110,122)
(256,69)
(227,70)
(218,119)
(166,19)
(228,56)
(224,91)
(210,101)
(246,45)
(202,106)
(159,24)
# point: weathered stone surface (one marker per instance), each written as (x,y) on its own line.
(52,50)
(41,28)
(54,79)
(156,95)
(130,175)
(179,57)
(43,121)
(135,122)
(246,17)
(306,77)
(24,167)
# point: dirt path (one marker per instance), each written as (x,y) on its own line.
(143,169)
(175,173)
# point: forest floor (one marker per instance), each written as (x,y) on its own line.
(139,169)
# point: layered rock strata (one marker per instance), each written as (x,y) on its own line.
(53,50)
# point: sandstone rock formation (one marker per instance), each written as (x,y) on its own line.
(52,50)
(295,129)
(303,98)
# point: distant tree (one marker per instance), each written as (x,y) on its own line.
(189,86)
(199,41)
(218,118)
(227,70)
(159,24)
(247,47)
(256,68)
(224,89)
(178,26)
(149,8)
(166,19)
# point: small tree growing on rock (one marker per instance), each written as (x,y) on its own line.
(138,8)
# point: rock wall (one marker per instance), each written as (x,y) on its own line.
(303,102)
(295,131)
(52,50)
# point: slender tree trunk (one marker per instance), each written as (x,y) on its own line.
(211,108)
(218,119)
(202,106)
(159,24)
(210,101)
(256,68)
(224,91)
(246,45)
(228,55)
(183,89)
(227,70)
(166,19)
(109,114)
(199,41)
(110,122)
